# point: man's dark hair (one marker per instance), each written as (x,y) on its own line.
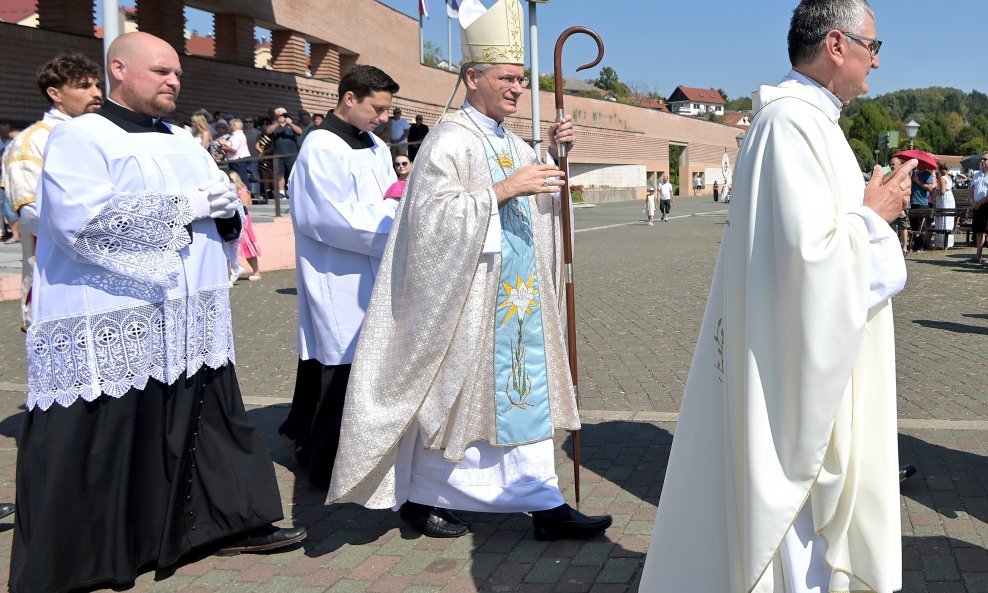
(66,68)
(362,80)
(813,19)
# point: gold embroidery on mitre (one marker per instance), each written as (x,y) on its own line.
(495,40)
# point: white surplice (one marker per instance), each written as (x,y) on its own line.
(342,222)
(789,413)
(128,284)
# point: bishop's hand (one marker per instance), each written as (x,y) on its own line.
(889,198)
(528,181)
(561,132)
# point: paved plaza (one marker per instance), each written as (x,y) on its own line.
(641,292)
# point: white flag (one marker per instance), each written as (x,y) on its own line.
(468,11)
(453,8)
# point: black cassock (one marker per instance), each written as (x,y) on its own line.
(112,487)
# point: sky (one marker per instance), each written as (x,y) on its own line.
(735,46)
(656,45)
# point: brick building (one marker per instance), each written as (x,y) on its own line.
(620,146)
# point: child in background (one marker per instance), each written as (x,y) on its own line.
(249,247)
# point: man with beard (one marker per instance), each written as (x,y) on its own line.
(131,315)
(72,84)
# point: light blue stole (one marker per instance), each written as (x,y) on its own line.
(519,346)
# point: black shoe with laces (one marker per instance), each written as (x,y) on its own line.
(565,522)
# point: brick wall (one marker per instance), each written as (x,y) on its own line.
(608,133)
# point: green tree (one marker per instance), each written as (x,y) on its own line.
(431,54)
(609,81)
(863,154)
(977,102)
(935,131)
(964,136)
(722,94)
(974,146)
(871,120)
(675,151)
(547,82)
(981,123)
(921,144)
(607,78)
(739,104)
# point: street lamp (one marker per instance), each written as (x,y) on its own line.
(912,128)
(876,157)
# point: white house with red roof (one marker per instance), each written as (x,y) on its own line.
(687,100)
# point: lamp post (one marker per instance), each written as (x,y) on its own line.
(876,157)
(912,128)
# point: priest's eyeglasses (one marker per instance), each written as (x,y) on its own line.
(508,81)
(873,45)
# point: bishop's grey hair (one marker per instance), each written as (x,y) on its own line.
(813,19)
(479,68)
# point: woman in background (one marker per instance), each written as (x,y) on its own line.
(200,129)
(249,247)
(944,199)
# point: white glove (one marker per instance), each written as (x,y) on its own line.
(28,217)
(214,199)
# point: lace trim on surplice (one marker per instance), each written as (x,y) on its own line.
(137,235)
(113,351)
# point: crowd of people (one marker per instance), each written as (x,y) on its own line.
(432,361)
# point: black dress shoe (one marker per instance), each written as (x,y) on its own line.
(6,508)
(433,521)
(263,539)
(906,471)
(565,522)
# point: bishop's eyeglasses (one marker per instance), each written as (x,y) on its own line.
(508,81)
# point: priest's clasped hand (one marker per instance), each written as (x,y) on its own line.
(214,199)
(528,181)
(889,197)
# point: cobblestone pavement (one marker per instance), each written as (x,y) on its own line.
(640,294)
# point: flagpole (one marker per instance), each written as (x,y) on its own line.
(533,38)
(111,30)
(449,41)
(421,38)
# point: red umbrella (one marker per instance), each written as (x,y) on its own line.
(927,162)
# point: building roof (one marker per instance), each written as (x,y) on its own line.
(952,161)
(197,45)
(577,85)
(15,11)
(735,118)
(654,104)
(686,93)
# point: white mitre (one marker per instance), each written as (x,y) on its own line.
(492,36)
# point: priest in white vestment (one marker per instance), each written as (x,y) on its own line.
(460,376)
(783,474)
